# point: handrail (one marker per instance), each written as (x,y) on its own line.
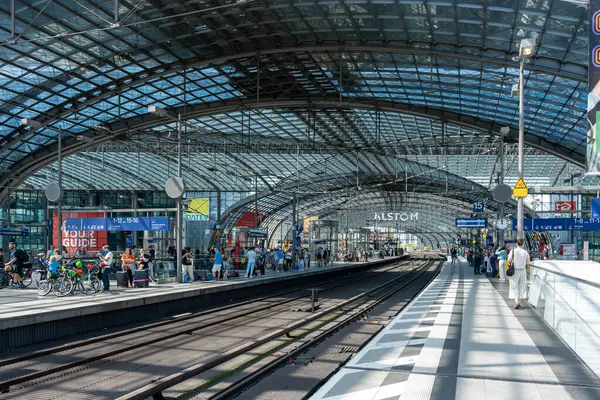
(581,280)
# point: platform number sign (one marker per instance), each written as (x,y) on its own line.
(478,206)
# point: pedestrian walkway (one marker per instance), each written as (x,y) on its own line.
(461,339)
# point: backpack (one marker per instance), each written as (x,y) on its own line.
(22,257)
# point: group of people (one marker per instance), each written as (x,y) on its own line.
(494,260)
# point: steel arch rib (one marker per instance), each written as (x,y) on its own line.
(47,155)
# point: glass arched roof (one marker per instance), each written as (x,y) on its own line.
(424,83)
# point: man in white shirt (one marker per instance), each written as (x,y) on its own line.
(251,257)
(519,257)
(106,259)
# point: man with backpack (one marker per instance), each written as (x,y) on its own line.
(14,267)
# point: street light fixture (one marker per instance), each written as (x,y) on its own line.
(53,193)
(526,49)
(160,112)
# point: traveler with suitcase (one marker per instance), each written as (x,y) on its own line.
(141,275)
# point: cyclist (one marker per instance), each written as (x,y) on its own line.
(14,266)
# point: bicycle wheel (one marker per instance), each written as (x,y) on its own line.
(27,279)
(45,287)
(95,284)
(82,286)
(63,286)
(3,279)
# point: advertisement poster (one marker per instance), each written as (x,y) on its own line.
(593,107)
(561,206)
(89,240)
(569,252)
(198,209)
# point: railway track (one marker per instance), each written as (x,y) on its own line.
(348,311)
(23,373)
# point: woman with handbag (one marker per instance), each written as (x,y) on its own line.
(518,259)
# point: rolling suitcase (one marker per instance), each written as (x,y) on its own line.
(140,278)
(121,279)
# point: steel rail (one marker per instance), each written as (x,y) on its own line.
(5,385)
(250,379)
(170,321)
(155,390)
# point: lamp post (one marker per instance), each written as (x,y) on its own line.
(179,214)
(53,193)
(573,215)
(526,49)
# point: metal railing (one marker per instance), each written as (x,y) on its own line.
(571,307)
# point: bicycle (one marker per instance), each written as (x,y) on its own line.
(94,282)
(4,278)
(60,283)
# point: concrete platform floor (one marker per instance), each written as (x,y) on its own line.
(462,339)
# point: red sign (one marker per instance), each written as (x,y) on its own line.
(85,240)
(565,205)
(248,220)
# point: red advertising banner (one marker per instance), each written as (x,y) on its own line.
(248,220)
(73,240)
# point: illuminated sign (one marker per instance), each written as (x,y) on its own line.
(593,141)
(396,216)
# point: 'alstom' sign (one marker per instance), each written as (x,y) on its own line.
(396,216)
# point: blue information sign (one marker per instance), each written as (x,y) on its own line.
(14,231)
(118,224)
(471,222)
(595,212)
(559,224)
(478,206)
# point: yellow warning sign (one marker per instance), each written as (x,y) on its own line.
(520,189)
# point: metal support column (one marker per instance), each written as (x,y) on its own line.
(134,234)
(294,229)
(47,230)
(500,182)
(59,204)
(116,11)
(13,19)
(521,147)
(179,233)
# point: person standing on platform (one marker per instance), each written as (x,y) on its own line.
(477,259)
(128,263)
(251,256)
(454,255)
(501,255)
(187,263)
(278,260)
(106,259)
(217,264)
(518,282)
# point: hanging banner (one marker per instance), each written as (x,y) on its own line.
(595,212)
(593,141)
(198,209)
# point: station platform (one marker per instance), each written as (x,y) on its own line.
(21,309)
(462,339)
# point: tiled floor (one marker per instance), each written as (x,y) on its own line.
(459,340)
